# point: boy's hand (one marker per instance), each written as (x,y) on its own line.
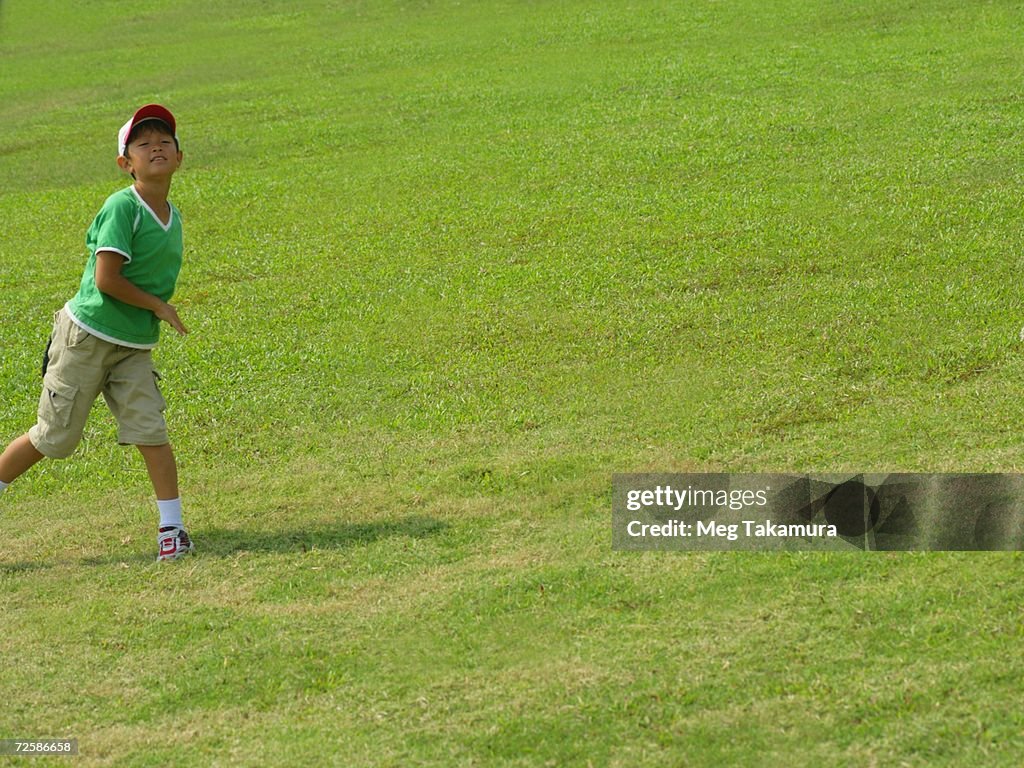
(169,315)
(111,282)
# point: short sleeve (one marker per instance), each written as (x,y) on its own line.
(113,227)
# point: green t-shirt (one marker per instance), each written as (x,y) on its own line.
(152,252)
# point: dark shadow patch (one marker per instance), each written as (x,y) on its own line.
(227,542)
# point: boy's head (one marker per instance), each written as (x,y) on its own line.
(149,122)
(145,114)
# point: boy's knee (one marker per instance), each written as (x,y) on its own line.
(53,445)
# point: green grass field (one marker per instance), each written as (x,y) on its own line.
(449,265)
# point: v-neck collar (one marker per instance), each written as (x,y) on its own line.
(170,218)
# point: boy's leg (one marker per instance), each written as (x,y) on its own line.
(20,456)
(71,355)
(74,376)
(163,472)
(162,468)
(172,540)
(133,396)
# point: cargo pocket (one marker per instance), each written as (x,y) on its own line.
(57,402)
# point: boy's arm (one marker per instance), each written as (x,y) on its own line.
(111,282)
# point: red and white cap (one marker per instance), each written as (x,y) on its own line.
(148,112)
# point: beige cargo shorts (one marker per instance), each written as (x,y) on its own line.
(81,366)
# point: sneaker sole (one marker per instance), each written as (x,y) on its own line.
(175,556)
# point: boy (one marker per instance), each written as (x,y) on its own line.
(103,338)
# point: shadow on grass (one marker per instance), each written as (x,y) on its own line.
(225,542)
(228,542)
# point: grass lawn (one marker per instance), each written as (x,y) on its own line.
(451,265)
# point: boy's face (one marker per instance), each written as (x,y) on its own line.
(152,155)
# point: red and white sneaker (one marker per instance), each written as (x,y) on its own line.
(173,542)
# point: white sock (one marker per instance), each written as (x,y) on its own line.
(170,512)
(3,486)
